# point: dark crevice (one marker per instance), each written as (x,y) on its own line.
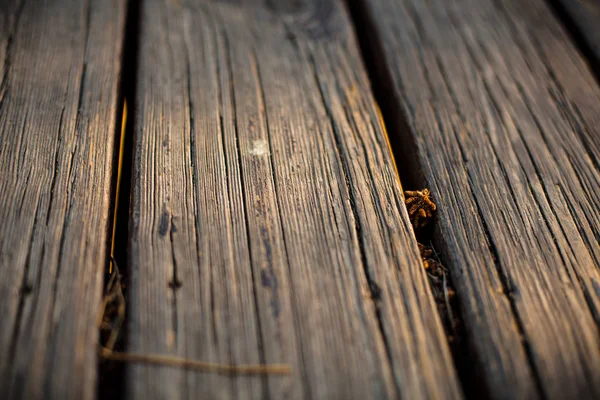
(577,36)
(82,86)
(397,115)
(175,283)
(111,382)
(56,165)
(22,201)
(88,20)
(22,135)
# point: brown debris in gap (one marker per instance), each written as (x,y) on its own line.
(441,287)
(420,207)
(433,267)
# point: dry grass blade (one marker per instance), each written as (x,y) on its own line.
(257,369)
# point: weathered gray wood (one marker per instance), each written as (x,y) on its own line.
(60,63)
(268,223)
(492,92)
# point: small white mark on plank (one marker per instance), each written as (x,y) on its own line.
(259,148)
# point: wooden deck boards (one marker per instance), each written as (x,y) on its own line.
(504,113)
(60,63)
(268,223)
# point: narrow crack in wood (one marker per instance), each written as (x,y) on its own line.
(421,210)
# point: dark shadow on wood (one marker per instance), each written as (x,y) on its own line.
(583,30)
(111,375)
(402,141)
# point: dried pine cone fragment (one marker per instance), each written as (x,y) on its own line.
(420,207)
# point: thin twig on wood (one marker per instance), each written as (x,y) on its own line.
(257,369)
(114,293)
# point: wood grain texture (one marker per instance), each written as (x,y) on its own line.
(504,113)
(267,218)
(60,64)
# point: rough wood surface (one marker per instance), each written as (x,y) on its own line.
(268,223)
(504,112)
(60,63)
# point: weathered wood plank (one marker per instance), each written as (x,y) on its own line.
(60,64)
(268,223)
(504,149)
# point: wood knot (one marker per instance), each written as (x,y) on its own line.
(420,207)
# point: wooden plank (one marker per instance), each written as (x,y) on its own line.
(516,185)
(268,223)
(58,114)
